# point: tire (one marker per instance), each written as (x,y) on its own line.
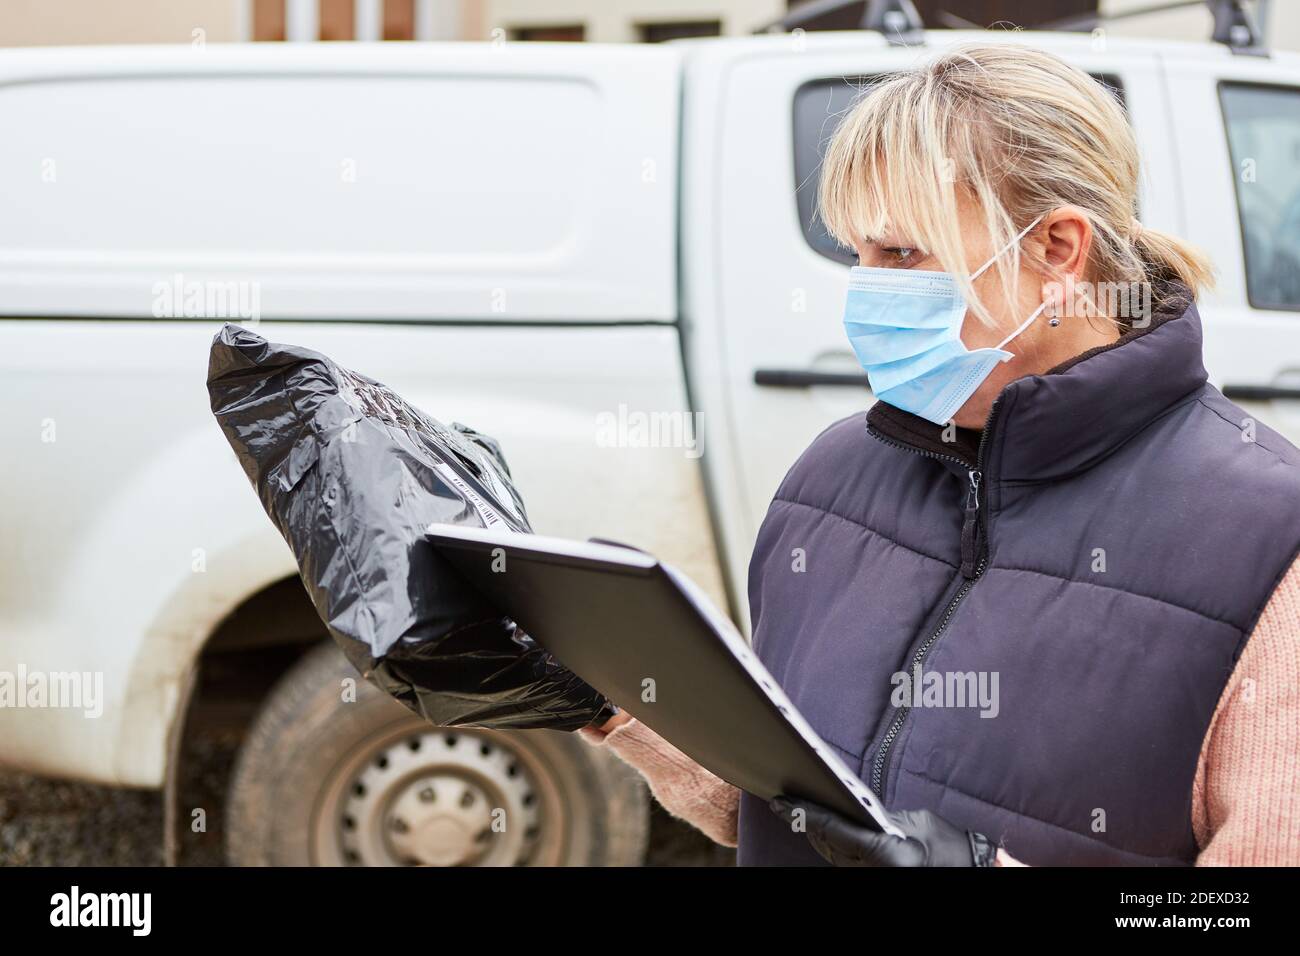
(324,782)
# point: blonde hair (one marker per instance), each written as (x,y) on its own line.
(1018,131)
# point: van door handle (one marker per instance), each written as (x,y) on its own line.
(1260,393)
(805,378)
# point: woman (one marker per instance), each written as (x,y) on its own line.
(1044,602)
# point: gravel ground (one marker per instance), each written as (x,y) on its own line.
(51,823)
(48,823)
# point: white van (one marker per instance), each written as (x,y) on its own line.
(603,256)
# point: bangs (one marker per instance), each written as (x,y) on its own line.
(886,171)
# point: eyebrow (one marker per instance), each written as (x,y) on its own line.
(890,243)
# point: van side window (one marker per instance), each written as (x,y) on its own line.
(1263,124)
(818,107)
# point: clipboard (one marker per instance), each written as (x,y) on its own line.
(650,640)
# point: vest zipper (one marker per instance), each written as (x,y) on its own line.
(882,755)
(974,559)
(970,526)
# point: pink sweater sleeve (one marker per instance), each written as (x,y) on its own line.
(683,787)
(1246,797)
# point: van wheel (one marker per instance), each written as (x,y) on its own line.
(324,782)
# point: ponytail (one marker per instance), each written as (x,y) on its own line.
(1171,256)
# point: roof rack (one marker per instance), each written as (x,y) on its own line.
(1234,26)
(899,23)
(896,20)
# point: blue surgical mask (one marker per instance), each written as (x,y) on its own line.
(905,326)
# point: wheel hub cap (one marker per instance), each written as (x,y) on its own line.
(440,798)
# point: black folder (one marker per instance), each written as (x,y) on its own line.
(651,641)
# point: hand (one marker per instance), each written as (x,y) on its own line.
(597,734)
(929,840)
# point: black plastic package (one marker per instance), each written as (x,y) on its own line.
(352,476)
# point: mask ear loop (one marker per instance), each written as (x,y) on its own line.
(998,255)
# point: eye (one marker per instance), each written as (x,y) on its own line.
(898,255)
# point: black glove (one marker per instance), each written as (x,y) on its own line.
(930,840)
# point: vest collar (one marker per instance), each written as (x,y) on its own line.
(1071,417)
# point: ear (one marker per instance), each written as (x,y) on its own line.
(1066,234)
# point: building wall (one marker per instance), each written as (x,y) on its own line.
(619,20)
(67,22)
